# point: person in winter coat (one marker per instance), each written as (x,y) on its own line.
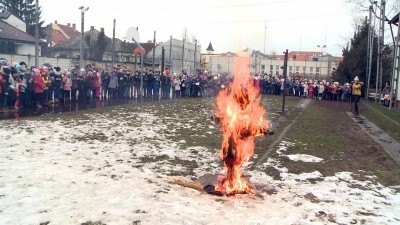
(177,85)
(96,85)
(356,93)
(67,86)
(113,85)
(39,85)
(2,90)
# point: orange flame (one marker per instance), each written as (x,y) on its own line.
(242,119)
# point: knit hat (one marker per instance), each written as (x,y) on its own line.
(356,78)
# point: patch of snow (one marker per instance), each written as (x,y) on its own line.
(116,169)
(304,158)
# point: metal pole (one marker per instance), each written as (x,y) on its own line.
(383,44)
(82,36)
(369,53)
(284,80)
(37,34)
(183,51)
(194,61)
(396,65)
(141,70)
(50,39)
(113,46)
(154,48)
(170,55)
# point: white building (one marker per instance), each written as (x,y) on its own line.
(309,65)
(174,48)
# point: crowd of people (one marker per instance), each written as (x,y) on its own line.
(23,87)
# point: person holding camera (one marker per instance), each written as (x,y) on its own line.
(356,87)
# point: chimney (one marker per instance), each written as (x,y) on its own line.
(55,22)
(68,24)
(74,26)
(102,30)
(91,27)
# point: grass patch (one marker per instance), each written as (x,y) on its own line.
(343,146)
(381,116)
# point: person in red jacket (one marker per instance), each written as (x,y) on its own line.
(39,85)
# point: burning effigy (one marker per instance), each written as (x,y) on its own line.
(242,118)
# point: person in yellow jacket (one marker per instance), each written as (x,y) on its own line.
(356,87)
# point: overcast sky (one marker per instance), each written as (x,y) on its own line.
(230,25)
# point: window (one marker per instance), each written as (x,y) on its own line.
(271,67)
(277,67)
(297,68)
(304,69)
(263,67)
(277,73)
(290,69)
(317,70)
(311,69)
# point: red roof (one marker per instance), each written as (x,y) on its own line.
(69,31)
(61,33)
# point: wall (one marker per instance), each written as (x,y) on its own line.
(30,60)
(224,64)
(176,55)
(27,49)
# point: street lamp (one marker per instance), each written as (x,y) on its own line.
(322,53)
(83,10)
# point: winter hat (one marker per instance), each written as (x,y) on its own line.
(356,78)
(64,71)
(57,68)
(3,62)
(5,70)
(36,71)
(41,70)
(13,70)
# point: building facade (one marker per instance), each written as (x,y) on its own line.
(308,65)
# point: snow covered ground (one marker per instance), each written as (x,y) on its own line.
(115,167)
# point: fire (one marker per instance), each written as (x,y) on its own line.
(242,118)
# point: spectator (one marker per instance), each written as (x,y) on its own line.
(356,93)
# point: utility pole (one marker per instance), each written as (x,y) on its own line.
(183,50)
(369,51)
(83,9)
(379,67)
(194,61)
(37,34)
(154,48)
(113,46)
(170,55)
(50,39)
(284,67)
(265,33)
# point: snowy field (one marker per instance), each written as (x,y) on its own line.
(115,166)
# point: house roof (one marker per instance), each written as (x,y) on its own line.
(210,47)
(230,54)
(60,33)
(70,32)
(74,43)
(12,33)
(4,15)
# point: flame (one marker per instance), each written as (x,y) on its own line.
(242,118)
